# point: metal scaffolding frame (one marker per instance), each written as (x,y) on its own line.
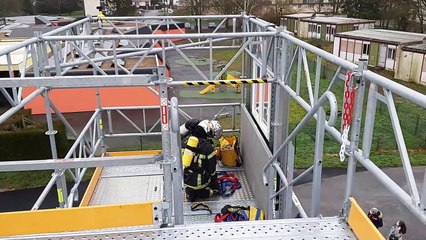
(260,43)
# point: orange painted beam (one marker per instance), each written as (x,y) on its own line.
(91,187)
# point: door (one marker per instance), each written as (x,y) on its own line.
(382,55)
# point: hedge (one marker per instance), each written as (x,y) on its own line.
(32,143)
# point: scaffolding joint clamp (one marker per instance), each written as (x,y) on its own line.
(167,160)
(53,132)
(276,124)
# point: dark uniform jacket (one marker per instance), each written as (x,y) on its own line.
(202,170)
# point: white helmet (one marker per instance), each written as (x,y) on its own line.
(216,129)
(212,128)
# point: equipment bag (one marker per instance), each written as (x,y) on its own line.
(228,183)
(229,151)
(239,213)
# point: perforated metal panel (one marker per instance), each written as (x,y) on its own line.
(215,207)
(122,190)
(297,229)
(140,170)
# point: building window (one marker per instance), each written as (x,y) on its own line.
(356,27)
(318,31)
(310,28)
(391,53)
(261,99)
(365,49)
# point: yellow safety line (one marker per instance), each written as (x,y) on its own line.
(362,227)
(134,153)
(91,187)
(75,219)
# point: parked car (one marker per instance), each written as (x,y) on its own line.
(212,25)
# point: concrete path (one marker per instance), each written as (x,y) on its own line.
(368,192)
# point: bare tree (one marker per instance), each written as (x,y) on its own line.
(420,13)
(196,7)
(249,6)
(281,7)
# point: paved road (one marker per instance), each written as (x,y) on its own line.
(368,192)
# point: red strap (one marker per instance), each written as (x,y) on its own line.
(228,177)
(220,217)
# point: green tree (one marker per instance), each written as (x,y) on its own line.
(120,8)
(368,9)
(56,6)
(10,8)
(28,6)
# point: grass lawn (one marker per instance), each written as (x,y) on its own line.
(384,148)
(31,179)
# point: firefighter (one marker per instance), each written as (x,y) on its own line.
(376,217)
(199,158)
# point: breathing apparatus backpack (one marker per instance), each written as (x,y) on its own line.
(190,151)
(229,152)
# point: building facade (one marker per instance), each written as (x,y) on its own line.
(412,64)
(381,47)
(312,26)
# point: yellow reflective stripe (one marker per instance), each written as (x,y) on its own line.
(201,156)
(200,186)
(199,180)
(211,154)
(60,196)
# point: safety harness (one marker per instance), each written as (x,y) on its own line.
(228,183)
(239,213)
(200,206)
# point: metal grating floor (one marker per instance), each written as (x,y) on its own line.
(128,184)
(241,197)
(285,229)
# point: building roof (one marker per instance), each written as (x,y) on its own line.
(420,48)
(31,19)
(383,35)
(337,20)
(302,15)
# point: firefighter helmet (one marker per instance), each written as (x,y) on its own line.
(216,129)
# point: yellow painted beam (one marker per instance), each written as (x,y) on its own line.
(91,187)
(75,219)
(134,153)
(362,227)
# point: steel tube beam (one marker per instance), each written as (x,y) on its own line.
(180,106)
(304,173)
(81,81)
(423,197)
(355,127)
(16,108)
(294,197)
(157,36)
(68,26)
(394,188)
(136,54)
(36,165)
(133,18)
(115,135)
(80,138)
(45,191)
(327,96)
